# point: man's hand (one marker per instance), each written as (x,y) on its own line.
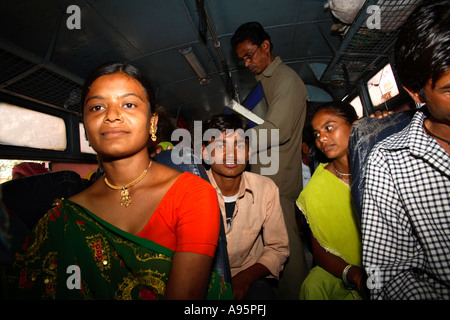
(242,281)
(157,151)
(381,114)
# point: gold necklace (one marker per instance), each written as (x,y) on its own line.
(125,198)
(340,174)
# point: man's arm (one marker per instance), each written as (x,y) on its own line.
(276,241)
(241,281)
(276,248)
(287,99)
(389,244)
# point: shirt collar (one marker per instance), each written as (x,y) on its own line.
(244,185)
(417,141)
(423,146)
(270,69)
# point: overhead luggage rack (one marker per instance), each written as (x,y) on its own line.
(29,77)
(364,49)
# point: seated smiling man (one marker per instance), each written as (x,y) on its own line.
(256,233)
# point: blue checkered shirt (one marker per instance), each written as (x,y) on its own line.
(406,216)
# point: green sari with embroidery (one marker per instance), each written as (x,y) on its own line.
(328,207)
(73,254)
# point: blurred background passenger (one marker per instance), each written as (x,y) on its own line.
(26,169)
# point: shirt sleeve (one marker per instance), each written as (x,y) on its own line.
(276,242)
(288,96)
(390,248)
(197,228)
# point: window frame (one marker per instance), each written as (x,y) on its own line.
(72,153)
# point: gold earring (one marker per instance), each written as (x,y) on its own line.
(153,130)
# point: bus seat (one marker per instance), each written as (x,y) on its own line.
(29,198)
(192,163)
(24,201)
(363,136)
(12,233)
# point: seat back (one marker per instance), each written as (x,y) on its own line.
(24,201)
(363,136)
(29,198)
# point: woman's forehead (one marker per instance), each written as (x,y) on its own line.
(324,117)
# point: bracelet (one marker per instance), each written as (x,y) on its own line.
(347,284)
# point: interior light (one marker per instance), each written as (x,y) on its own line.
(192,59)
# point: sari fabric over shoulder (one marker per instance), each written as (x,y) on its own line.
(327,205)
(73,254)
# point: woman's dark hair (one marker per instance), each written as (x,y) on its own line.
(341,109)
(252,31)
(117,67)
(422,47)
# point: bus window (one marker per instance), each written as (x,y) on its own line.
(357,104)
(6,168)
(382,86)
(27,128)
(84,143)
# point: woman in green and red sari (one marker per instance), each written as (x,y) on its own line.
(143,231)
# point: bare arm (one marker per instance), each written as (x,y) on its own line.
(241,282)
(336,265)
(189,276)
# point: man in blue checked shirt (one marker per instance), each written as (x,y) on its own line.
(406,202)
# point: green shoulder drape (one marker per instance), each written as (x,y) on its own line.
(73,254)
(327,205)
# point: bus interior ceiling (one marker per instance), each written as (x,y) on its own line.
(48,47)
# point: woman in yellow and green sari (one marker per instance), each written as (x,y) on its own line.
(142,231)
(327,205)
